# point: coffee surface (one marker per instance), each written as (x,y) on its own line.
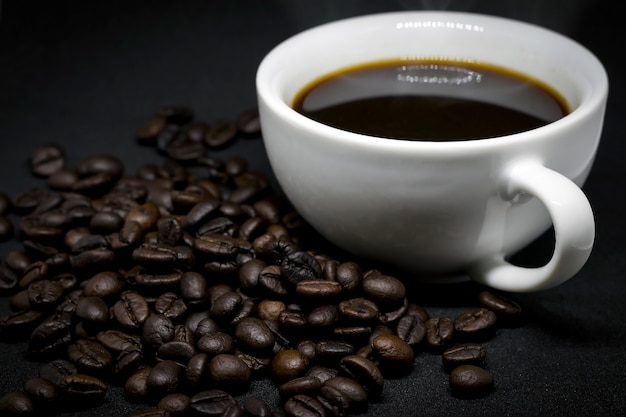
(430,101)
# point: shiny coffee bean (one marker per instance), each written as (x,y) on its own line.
(136,386)
(216,343)
(395,354)
(439,332)
(332,351)
(196,369)
(55,371)
(42,391)
(475,322)
(90,356)
(83,388)
(302,405)
(131,310)
(164,378)
(255,406)
(253,335)
(47,159)
(344,394)
(93,310)
(384,289)
(300,266)
(212,402)
(157,330)
(289,364)
(176,404)
(364,371)
(16,403)
(301,385)
(505,309)
(229,371)
(411,329)
(464,354)
(358,309)
(470,381)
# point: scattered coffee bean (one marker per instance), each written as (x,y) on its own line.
(193,274)
(470,381)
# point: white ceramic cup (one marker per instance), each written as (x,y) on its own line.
(440,210)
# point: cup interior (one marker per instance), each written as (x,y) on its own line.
(557,61)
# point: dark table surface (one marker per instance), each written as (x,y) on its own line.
(87,74)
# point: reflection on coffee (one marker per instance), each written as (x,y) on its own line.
(430,100)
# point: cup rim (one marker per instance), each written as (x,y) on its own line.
(267,93)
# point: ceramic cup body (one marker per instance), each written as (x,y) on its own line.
(440,209)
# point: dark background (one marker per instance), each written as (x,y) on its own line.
(86,74)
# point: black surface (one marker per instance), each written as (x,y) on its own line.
(86,74)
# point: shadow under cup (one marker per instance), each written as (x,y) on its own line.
(435,209)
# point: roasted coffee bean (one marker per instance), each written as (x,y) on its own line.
(104,285)
(439,332)
(323,316)
(205,326)
(83,388)
(300,266)
(322,373)
(93,310)
(221,246)
(164,378)
(270,309)
(170,305)
(289,364)
(27,201)
(507,310)
(248,122)
(42,391)
(176,351)
(358,309)
(318,289)
(333,350)
(196,369)
(149,130)
(136,386)
(157,329)
(364,371)
(255,406)
(119,341)
(152,255)
(226,305)
(301,385)
(89,242)
(8,278)
(47,159)
(211,403)
(252,334)
(92,260)
(394,354)
(90,356)
(302,405)
(475,322)
(345,394)
(16,403)
(384,289)
(470,381)
(131,310)
(464,354)
(349,275)
(229,371)
(411,329)
(220,133)
(56,370)
(176,404)
(270,279)
(216,343)
(50,336)
(249,274)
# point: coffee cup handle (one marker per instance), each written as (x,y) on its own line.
(574,229)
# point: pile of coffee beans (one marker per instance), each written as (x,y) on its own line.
(189,280)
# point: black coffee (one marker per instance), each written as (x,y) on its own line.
(430,101)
